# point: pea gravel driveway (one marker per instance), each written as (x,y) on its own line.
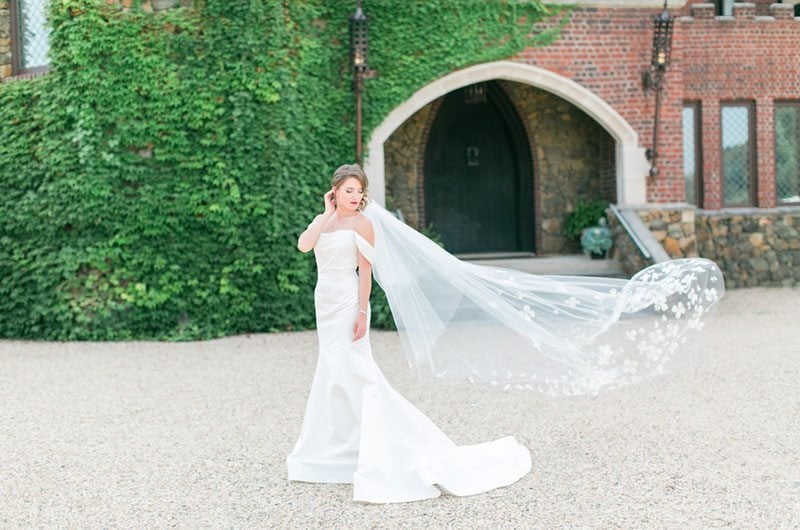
(150,434)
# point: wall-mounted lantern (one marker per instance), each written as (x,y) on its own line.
(654,77)
(359,46)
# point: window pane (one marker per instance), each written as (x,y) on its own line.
(689,152)
(787,152)
(33,34)
(736,154)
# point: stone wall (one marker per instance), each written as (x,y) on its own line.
(571,161)
(674,227)
(751,246)
(403,153)
(755,247)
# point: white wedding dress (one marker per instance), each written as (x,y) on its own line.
(357,429)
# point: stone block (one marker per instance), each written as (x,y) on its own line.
(720,230)
(672,247)
(759,264)
(757,239)
(552,226)
(688,245)
(687,216)
(675,231)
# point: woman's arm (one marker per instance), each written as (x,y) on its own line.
(309,237)
(364,280)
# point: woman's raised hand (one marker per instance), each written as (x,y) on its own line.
(330,202)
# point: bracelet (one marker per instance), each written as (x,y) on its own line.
(362,311)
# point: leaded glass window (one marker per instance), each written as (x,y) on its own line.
(32,34)
(737,155)
(787,152)
(692,163)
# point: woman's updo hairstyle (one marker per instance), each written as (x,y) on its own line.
(346,171)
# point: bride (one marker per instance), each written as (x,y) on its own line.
(560,335)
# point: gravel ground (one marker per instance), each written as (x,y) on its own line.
(150,434)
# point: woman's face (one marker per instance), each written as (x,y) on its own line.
(349,194)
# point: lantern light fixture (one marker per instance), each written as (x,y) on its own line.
(653,78)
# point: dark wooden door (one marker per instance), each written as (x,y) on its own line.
(478,176)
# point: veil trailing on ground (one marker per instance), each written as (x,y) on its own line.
(561,335)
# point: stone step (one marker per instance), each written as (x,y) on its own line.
(569,264)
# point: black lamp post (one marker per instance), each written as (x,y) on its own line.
(359,44)
(654,78)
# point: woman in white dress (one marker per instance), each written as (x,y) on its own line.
(560,335)
(356,428)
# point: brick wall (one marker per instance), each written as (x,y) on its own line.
(714,59)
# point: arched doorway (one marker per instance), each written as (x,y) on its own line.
(631,165)
(478,184)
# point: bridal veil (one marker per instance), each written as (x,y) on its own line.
(560,335)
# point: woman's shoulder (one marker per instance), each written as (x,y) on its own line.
(363,226)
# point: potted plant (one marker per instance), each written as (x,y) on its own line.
(596,240)
(585,214)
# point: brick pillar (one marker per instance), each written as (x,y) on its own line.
(744,10)
(712,153)
(782,11)
(703,11)
(765,152)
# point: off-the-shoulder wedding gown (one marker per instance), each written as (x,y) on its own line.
(357,429)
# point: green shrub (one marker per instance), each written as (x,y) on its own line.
(154,182)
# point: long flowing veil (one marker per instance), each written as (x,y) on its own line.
(561,335)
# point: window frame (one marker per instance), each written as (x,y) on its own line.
(776,104)
(698,151)
(16,49)
(752,152)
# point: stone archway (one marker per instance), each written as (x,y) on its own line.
(631,164)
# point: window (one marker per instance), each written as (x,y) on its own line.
(738,154)
(787,152)
(724,7)
(692,157)
(29,36)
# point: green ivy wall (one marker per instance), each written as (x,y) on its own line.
(153,184)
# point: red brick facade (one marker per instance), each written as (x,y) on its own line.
(714,60)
